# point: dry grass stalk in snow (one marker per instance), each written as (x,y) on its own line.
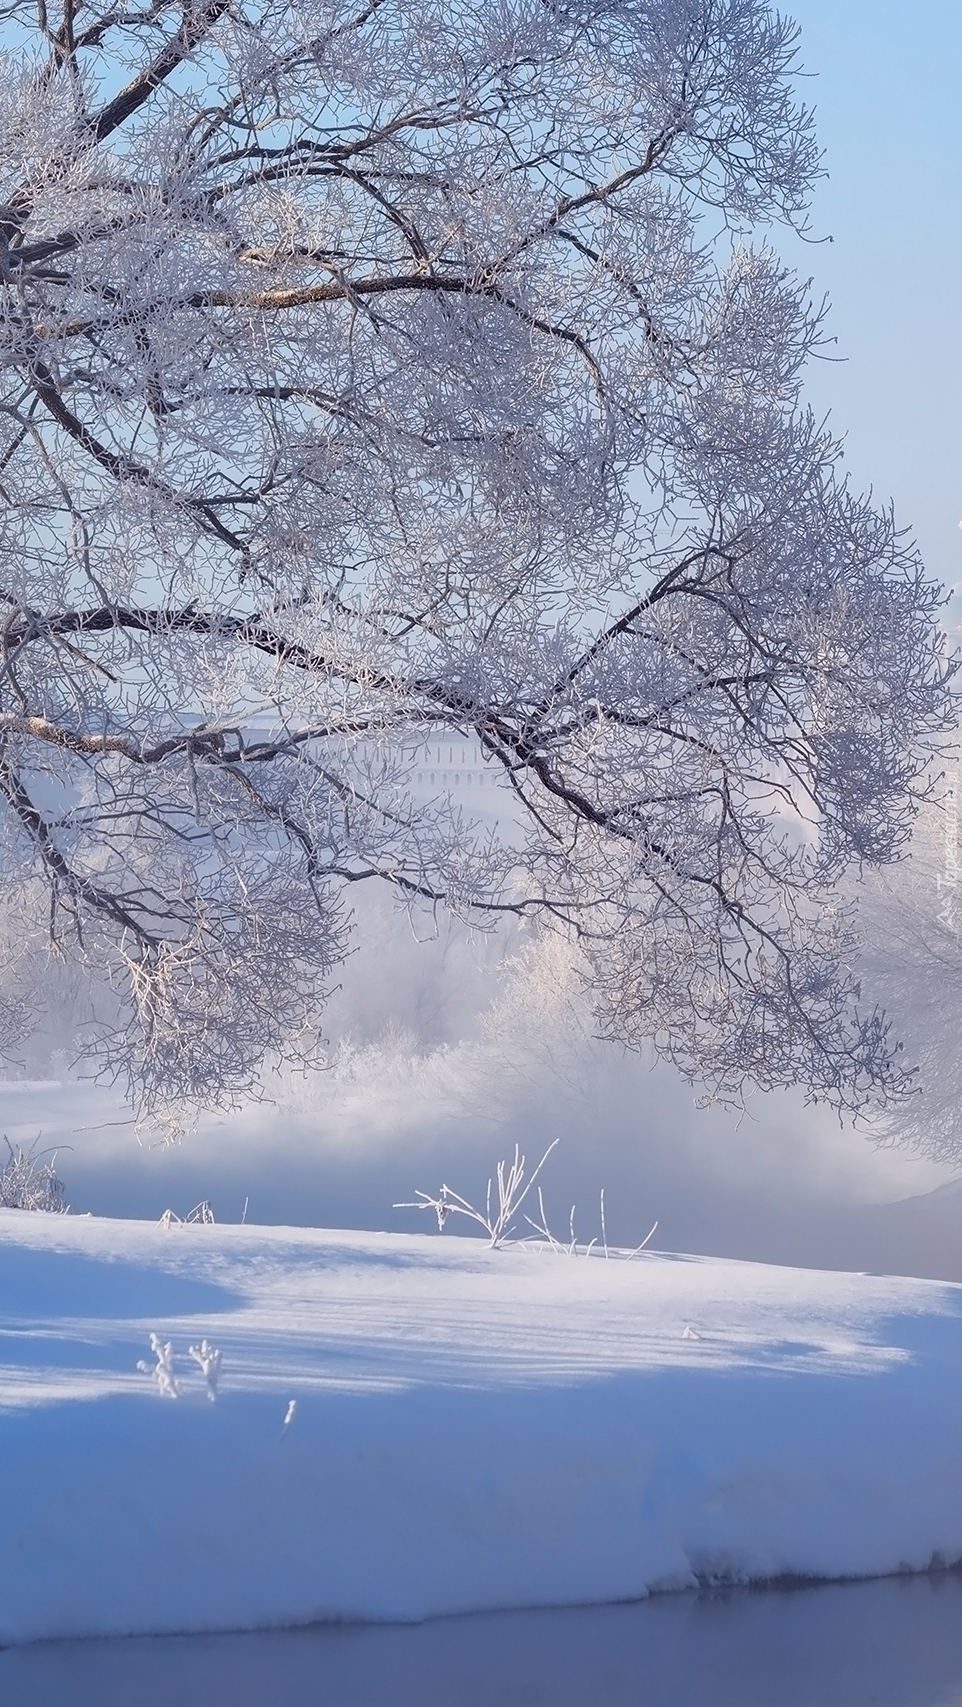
(571,1247)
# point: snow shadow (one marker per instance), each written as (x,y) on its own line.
(890,1643)
(34,1288)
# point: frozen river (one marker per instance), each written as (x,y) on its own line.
(891,1643)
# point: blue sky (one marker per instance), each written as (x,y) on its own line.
(888,94)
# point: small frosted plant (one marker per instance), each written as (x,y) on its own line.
(209,1359)
(163,1371)
(512,1191)
(202,1215)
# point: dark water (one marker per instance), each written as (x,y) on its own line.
(896,1643)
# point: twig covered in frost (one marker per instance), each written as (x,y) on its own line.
(644,1242)
(512,1192)
(209,1359)
(27,1182)
(163,1373)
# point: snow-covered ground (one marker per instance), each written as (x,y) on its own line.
(785,1185)
(473,1428)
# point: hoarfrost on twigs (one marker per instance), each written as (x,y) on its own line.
(371,387)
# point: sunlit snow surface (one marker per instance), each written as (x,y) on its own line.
(473,1429)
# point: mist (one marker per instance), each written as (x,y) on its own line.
(449,1047)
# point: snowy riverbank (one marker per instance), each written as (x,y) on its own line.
(473,1429)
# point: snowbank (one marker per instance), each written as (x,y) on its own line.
(472,1429)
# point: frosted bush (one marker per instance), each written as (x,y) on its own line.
(28,1182)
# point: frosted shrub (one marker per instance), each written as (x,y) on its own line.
(28,1182)
(207,1356)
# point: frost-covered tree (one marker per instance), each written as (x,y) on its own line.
(376,371)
